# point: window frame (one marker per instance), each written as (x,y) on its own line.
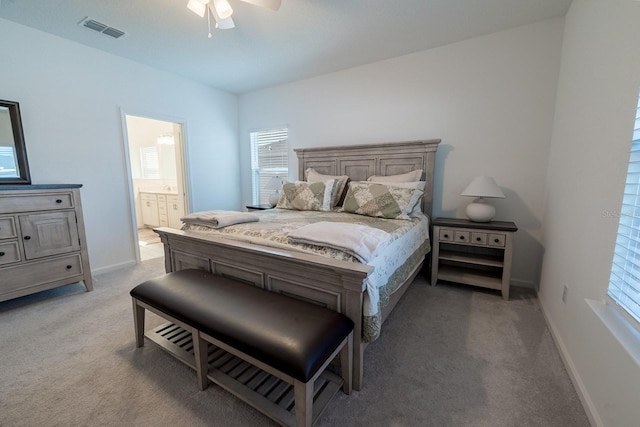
(261,173)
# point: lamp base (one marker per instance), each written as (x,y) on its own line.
(273,199)
(480,211)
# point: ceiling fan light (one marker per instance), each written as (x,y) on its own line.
(198,7)
(223,8)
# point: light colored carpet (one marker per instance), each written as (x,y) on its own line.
(448,356)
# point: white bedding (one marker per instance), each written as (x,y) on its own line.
(405,237)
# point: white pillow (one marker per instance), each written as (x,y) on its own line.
(414,175)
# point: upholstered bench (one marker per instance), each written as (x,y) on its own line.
(268,349)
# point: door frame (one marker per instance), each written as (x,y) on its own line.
(186,185)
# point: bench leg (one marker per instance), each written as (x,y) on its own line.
(201,353)
(346,364)
(303,403)
(138,322)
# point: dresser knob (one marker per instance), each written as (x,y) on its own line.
(58,200)
(27,237)
(461,237)
(478,239)
(446,236)
(69,267)
(496,240)
(1,253)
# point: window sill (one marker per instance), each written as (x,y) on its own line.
(624,332)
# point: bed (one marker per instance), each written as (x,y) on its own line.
(335,283)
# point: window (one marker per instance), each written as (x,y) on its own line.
(624,282)
(150,162)
(269,158)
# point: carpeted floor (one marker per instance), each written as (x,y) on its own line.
(448,356)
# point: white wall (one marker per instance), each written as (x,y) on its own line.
(490,99)
(595,110)
(71,98)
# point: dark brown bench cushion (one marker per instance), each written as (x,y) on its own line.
(291,335)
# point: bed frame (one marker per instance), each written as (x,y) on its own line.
(338,285)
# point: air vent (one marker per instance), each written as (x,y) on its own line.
(94,25)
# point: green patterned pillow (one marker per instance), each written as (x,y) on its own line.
(381,200)
(307,196)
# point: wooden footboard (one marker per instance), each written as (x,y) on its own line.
(337,285)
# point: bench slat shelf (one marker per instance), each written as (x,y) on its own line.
(258,388)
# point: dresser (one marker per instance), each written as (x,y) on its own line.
(42,239)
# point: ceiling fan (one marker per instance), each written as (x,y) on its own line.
(221,10)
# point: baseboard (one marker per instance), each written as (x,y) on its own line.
(523,283)
(583,394)
(113,267)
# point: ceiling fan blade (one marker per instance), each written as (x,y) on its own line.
(269,4)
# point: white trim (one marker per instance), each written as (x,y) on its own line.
(620,327)
(583,393)
(113,267)
(186,187)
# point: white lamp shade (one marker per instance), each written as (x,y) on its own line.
(223,8)
(198,6)
(479,210)
(275,183)
(483,186)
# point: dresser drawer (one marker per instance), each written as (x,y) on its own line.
(461,236)
(148,197)
(8,228)
(478,238)
(9,252)
(38,202)
(446,235)
(496,239)
(38,273)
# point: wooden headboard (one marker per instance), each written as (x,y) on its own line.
(359,162)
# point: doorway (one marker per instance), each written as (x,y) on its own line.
(157,179)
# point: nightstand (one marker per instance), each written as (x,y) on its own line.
(473,253)
(258,207)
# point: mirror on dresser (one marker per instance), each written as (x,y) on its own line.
(14,168)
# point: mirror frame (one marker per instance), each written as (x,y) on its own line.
(18,141)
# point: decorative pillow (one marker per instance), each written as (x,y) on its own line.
(381,200)
(418,185)
(341,182)
(307,196)
(414,175)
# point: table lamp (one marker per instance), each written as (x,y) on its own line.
(482,187)
(275,184)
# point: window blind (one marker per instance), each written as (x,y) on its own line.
(624,282)
(150,162)
(269,158)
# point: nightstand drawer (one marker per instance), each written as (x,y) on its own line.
(446,235)
(478,238)
(461,236)
(496,239)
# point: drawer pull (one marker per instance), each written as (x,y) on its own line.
(69,267)
(1,253)
(27,237)
(58,201)
(446,236)
(496,240)
(461,237)
(478,239)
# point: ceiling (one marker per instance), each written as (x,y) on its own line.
(305,38)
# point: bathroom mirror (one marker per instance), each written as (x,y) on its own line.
(14,168)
